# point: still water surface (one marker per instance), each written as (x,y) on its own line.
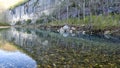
(38,48)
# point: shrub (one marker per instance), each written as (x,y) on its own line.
(18,23)
(39,21)
(28,21)
(4,24)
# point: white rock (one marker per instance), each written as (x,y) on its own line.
(106,32)
(58,30)
(83,25)
(71,31)
(66,27)
(83,32)
(73,28)
(61,30)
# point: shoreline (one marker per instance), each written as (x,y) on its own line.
(115,31)
(2,27)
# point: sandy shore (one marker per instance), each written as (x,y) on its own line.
(4,27)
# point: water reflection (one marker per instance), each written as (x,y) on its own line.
(52,49)
(15,60)
(12,57)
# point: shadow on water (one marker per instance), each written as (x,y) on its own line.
(51,49)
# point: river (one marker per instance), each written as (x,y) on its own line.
(35,48)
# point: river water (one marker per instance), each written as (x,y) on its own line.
(35,48)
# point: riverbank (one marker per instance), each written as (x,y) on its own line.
(114,31)
(102,24)
(4,24)
(2,27)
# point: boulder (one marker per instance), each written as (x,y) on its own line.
(106,32)
(66,27)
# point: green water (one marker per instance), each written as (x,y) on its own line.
(53,50)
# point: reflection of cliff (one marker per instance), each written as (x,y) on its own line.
(49,47)
(20,37)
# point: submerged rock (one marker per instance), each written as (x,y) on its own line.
(45,42)
(65,34)
(71,31)
(73,34)
(84,32)
(107,36)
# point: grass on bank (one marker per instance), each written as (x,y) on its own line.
(98,22)
(4,24)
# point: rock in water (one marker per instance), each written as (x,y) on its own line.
(61,30)
(106,32)
(71,31)
(45,43)
(84,32)
(73,28)
(66,27)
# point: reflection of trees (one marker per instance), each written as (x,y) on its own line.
(69,50)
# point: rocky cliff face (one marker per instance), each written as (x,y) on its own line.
(48,10)
(32,9)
